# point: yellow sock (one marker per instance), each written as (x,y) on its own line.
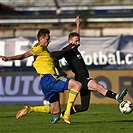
(46,109)
(71,99)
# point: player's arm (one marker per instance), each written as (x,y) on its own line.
(77,20)
(17,57)
(59,54)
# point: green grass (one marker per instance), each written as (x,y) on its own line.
(98,119)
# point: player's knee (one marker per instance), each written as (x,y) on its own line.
(81,108)
(75,85)
(79,86)
(85,108)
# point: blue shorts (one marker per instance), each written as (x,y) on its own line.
(52,85)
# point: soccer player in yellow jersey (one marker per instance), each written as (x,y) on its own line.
(50,82)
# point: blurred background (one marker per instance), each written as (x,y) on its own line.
(106,44)
(101,17)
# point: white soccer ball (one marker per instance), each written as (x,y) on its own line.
(126,107)
(45,102)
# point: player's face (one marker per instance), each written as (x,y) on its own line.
(75,40)
(45,40)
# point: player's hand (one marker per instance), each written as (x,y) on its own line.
(4,58)
(70,47)
(77,20)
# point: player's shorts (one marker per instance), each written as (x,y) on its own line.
(84,81)
(52,85)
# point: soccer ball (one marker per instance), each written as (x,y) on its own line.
(126,107)
(45,102)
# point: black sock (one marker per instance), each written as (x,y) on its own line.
(111,94)
(71,111)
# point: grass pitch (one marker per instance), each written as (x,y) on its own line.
(98,119)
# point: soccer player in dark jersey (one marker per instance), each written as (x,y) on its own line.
(78,67)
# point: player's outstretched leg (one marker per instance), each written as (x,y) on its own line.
(120,95)
(24,111)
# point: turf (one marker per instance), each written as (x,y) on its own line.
(98,119)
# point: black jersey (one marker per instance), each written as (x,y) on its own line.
(76,63)
(78,67)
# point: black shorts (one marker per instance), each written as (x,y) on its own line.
(84,81)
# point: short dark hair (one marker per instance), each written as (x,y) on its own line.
(42,32)
(73,34)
